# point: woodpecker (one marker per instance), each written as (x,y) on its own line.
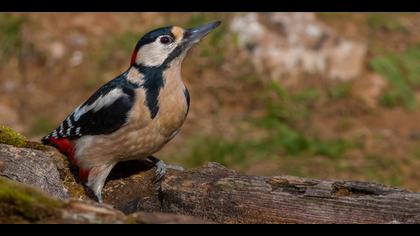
(134,115)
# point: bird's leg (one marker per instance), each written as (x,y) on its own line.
(161,168)
(96,179)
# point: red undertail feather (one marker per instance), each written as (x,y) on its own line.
(66,147)
(83,174)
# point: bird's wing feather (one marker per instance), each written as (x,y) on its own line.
(103,113)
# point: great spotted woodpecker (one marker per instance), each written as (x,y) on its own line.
(134,115)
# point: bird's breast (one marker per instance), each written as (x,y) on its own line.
(173,108)
(142,135)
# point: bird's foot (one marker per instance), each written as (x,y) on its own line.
(160,172)
(161,168)
(100,198)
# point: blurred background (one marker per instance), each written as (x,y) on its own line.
(319,95)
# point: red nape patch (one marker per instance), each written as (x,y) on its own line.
(133,57)
(84,174)
(66,147)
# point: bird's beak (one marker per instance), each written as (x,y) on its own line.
(194,35)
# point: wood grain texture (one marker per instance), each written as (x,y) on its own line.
(33,167)
(221,195)
(214,193)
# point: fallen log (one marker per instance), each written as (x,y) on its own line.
(217,194)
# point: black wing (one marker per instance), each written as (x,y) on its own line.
(103,113)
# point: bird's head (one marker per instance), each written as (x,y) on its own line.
(167,45)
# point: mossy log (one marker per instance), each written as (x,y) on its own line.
(21,203)
(214,193)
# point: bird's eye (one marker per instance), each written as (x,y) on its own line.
(165,39)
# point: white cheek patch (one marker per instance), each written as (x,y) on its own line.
(153,54)
(102,101)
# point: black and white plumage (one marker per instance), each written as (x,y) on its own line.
(133,115)
(103,113)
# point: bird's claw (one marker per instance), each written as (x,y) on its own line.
(160,172)
(100,199)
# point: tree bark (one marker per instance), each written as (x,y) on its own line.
(33,167)
(221,195)
(217,194)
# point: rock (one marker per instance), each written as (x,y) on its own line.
(76,59)
(57,50)
(78,40)
(346,60)
(288,45)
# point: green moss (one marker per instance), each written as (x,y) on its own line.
(21,203)
(403,74)
(10,137)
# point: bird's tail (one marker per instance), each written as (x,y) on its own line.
(64,145)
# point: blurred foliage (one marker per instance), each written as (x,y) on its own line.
(204,149)
(115,49)
(216,41)
(41,126)
(283,112)
(10,35)
(384,21)
(382,169)
(340,91)
(402,71)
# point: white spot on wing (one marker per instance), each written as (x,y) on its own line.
(102,101)
(69,122)
(61,129)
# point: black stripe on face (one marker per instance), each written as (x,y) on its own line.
(153,82)
(153,76)
(153,79)
(174,54)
